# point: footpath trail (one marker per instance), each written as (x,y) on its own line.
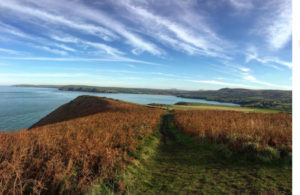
(181,165)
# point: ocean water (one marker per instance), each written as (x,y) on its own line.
(21,107)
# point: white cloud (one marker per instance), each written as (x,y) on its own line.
(222,83)
(130,65)
(241,4)
(180,35)
(12,30)
(44,75)
(280,30)
(66,39)
(119,59)
(274,66)
(251,54)
(146,73)
(101,48)
(132,78)
(275,24)
(244,74)
(100,18)
(59,13)
(221,78)
(109,50)
(23,9)
(65,47)
(9,51)
(164,74)
(254,80)
(234,67)
(128,72)
(55,51)
(245,69)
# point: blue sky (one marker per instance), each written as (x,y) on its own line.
(166,44)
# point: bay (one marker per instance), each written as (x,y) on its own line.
(21,107)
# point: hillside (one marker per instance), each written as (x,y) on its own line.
(80,107)
(96,145)
(82,142)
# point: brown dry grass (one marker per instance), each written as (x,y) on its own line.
(68,156)
(237,128)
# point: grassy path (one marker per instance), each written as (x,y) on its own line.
(174,163)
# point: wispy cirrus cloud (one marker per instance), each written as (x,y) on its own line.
(40,15)
(222,83)
(245,69)
(101,19)
(74,59)
(103,26)
(235,67)
(44,75)
(127,72)
(244,74)
(9,51)
(144,73)
(55,51)
(65,39)
(251,54)
(278,30)
(12,30)
(200,40)
(130,65)
(65,47)
(254,80)
(241,4)
(100,47)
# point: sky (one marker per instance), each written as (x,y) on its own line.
(191,45)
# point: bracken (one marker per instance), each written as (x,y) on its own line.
(237,128)
(68,156)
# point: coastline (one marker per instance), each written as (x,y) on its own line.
(81,89)
(279,100)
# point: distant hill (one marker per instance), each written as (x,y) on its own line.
(80,107)
(270,99)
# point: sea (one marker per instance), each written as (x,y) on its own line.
(21,107)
